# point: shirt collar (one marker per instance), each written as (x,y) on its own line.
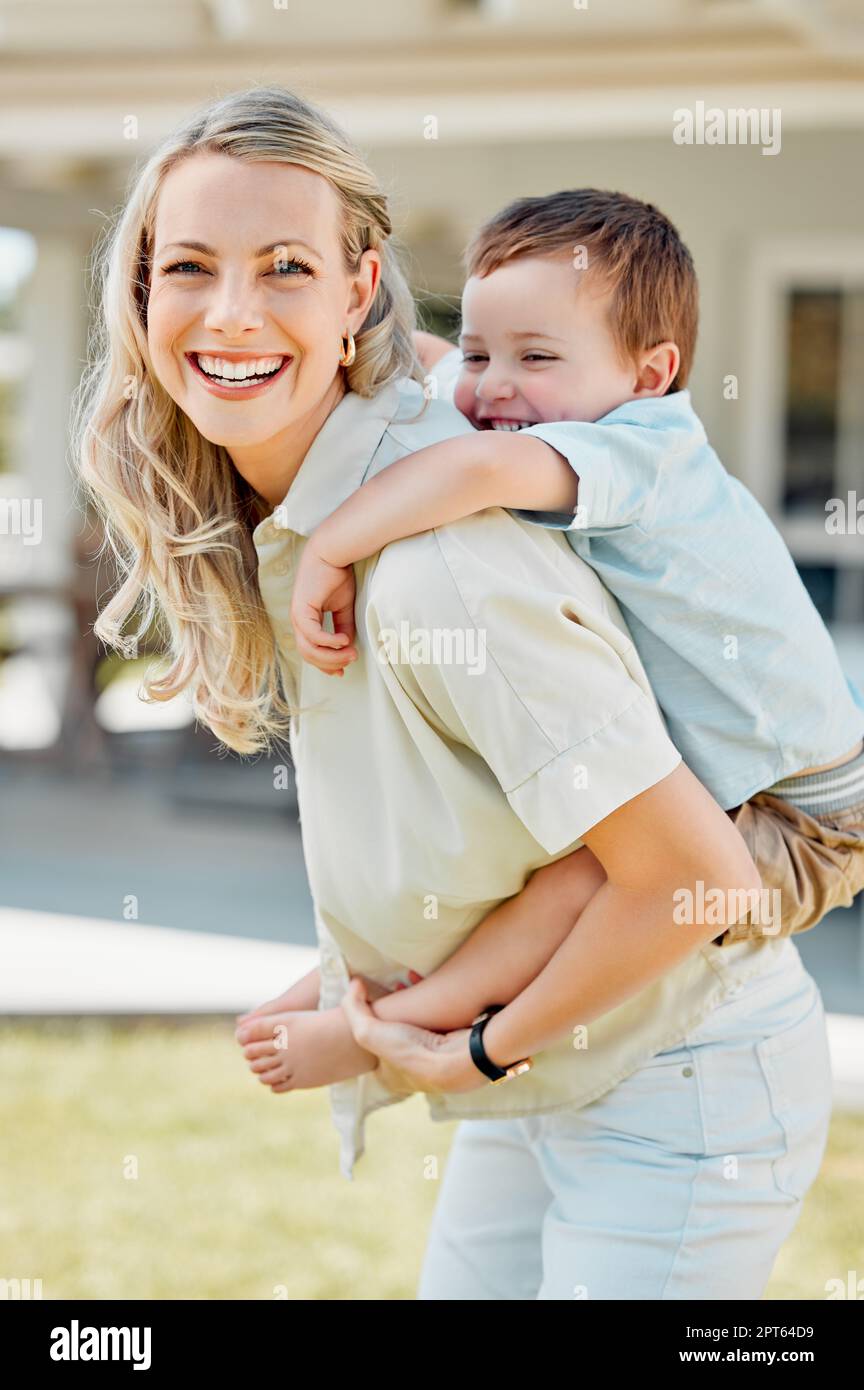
(335,464)
(674,411)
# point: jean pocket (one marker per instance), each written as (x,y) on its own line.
(656,1105)
(796,1064)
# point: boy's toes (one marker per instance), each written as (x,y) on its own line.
(255,1030)
(272,1076)
(268,1062)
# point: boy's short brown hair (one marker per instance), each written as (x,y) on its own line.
(630,244)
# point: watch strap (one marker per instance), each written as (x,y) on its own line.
(478,1051)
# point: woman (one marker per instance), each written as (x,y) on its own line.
(256,364)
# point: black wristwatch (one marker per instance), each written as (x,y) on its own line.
(489,1068)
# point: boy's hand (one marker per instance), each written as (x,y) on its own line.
(320,588)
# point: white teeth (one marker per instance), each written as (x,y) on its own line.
(505,425)
(238,371)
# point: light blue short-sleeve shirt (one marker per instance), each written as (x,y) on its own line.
(739,659)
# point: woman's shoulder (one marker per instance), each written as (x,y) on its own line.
(421,418)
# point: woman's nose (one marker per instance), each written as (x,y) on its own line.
(233,308)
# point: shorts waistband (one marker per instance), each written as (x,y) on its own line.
(820,793)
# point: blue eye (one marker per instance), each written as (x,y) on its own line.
(280,266)
(282,269)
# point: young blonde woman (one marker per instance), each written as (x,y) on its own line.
(665,1101)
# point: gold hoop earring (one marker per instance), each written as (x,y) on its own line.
(349,352)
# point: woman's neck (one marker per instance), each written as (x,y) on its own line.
(270,468)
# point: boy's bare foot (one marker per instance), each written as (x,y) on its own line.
(296,1050)
(281,1004)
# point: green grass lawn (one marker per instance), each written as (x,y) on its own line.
(238,1192)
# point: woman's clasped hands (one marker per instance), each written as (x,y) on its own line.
(410,1058)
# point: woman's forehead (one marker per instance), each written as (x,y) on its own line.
(214,199)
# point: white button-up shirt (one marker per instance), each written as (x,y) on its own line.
(497,710)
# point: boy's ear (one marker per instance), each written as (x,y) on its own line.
(658,367)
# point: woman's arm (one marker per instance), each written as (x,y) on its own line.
(671,837)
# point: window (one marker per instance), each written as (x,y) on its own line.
(17,262)
(803,450)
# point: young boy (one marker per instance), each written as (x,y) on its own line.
(579,325)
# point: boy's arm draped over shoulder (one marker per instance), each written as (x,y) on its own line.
(442,483)
(431,487)
(566,475)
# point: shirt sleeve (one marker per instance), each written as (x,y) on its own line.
(617,470)
(534,672)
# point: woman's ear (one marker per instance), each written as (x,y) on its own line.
(364,287)
(658,367)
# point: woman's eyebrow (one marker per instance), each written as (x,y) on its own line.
(264,250)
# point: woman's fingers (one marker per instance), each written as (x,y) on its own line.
(356,1006)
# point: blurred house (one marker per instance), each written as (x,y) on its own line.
(462,105)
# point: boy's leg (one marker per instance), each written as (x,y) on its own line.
(505,952)
(810,855)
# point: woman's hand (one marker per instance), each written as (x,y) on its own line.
(320,588)
(412,1059)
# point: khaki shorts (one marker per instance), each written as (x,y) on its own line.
(809,864)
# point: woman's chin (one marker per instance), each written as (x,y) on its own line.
(229,433)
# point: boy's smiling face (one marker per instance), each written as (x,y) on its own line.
(538,346)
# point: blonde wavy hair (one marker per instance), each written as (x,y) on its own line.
(178,517)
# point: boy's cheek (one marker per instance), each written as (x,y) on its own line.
(463,399)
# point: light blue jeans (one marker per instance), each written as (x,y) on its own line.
(682,1182)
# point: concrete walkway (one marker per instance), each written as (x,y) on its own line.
(51,964)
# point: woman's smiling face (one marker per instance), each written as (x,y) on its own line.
(248,284)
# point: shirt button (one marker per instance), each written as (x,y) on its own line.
(687,1071)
